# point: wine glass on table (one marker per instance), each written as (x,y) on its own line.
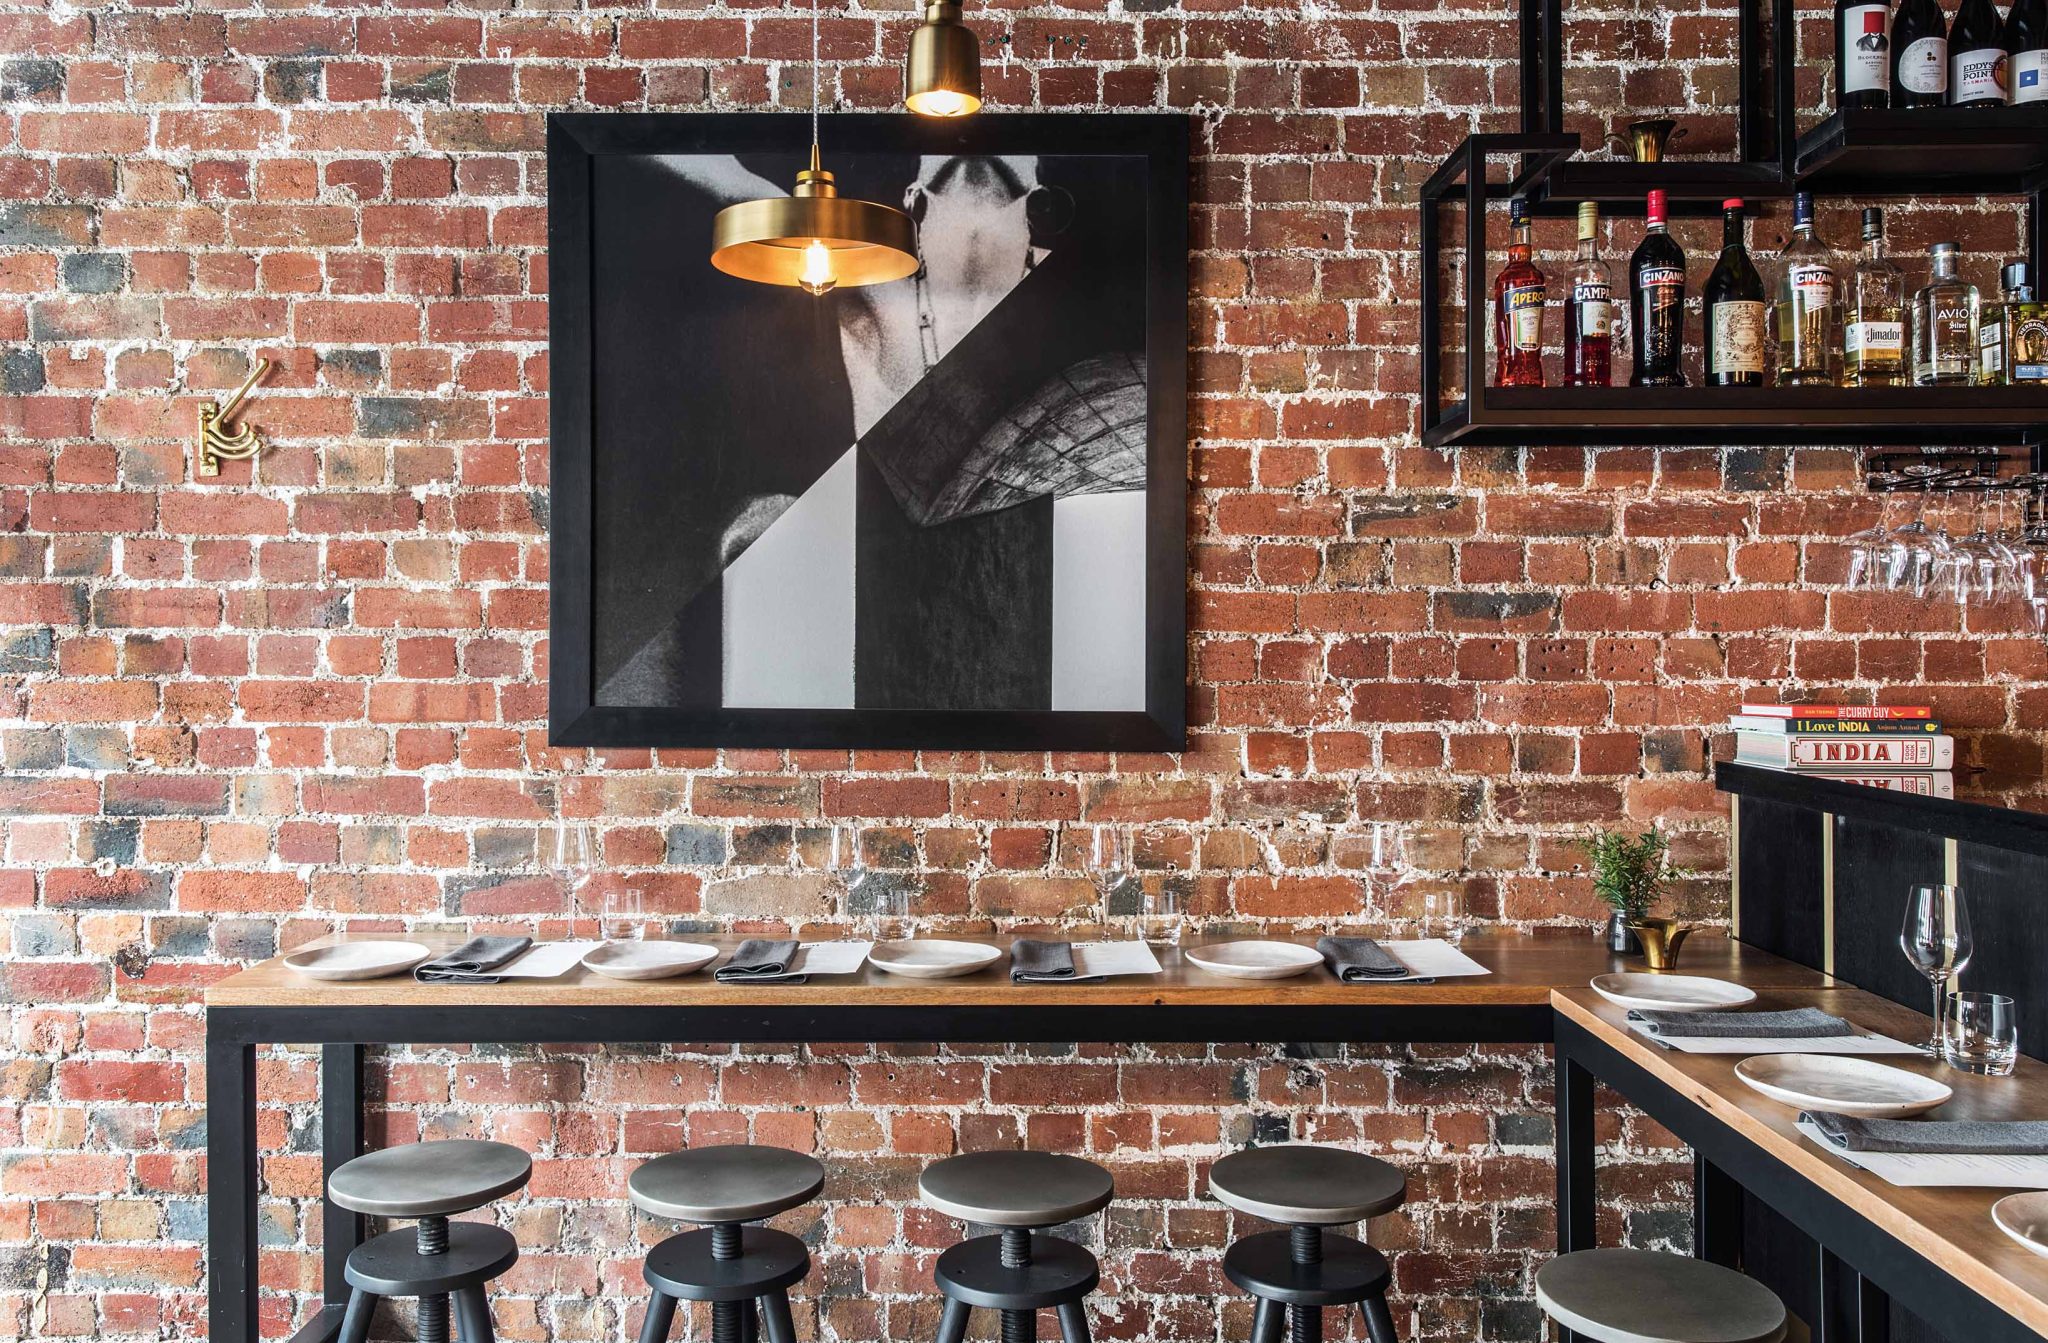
(571,850)
(1936,938)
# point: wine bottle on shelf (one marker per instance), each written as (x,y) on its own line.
(2026,51)
(1863,53)
(1518,294)
(1656,294)
(1945,325)
(1976,57)
(1919,55)
(1874,334)
(1589,315)
(1808,321)
(1734,302)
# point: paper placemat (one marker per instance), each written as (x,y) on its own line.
(545,960)
(1113,958)
(1427,958)
(1942,1170)
(831,958)
(1735,1044)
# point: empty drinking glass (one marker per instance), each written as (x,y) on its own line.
(845,860)
(570,850)
(1981,1034)
(1936,939)
(1162,914)
(625,914)
(1111,857)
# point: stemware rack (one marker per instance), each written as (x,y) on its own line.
(1984,472)
(1931,152)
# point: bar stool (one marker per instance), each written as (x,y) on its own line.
(1299,1271)
(436,1260)
(1015,1271)
(738,1269)
(1643,1296)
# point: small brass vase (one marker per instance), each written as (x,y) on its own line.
(1646,140)
(1661,939)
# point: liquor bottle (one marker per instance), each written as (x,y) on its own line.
(1945,325)
(1863,53)
(1589,316)
(1874,334)
(1808,318)
(1976,57)
(2026,51)
(1919,55)
(1518,293)
(2011,332)
(1734,301)
(1656,300)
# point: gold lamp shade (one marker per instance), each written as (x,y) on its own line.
(942,74)
(815,239)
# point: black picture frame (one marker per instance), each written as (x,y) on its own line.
(574,142)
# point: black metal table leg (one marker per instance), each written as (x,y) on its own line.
(1575,1174)
(230,1188)
(1716,1214)
(1852,1308)
(341,1141)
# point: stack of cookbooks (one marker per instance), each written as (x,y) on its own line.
(1895,746)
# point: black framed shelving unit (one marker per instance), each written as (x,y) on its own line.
(1869,154)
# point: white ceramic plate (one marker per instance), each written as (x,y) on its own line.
(1844,1085)
(1670,993)
(647,960)
(932,957)
(358,960)
(1254,960)
(2024,1217)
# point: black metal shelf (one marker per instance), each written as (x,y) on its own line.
(1934,151)
(1515,416)
(1694,187)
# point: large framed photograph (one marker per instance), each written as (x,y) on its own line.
(947,511)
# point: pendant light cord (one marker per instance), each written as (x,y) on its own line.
(814,72)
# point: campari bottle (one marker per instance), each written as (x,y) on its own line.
(1589,313)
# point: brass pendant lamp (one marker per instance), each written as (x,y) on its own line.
(814,238)
(942,73)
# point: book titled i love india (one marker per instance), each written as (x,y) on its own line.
(1935,751)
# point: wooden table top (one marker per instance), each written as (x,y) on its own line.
(1951,1228)
(1524,971)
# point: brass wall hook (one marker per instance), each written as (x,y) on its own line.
(216,440)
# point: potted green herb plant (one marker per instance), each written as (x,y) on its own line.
(1630,874)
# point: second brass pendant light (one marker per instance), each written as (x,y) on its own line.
(942,73)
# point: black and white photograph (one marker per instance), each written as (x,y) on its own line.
(940,510)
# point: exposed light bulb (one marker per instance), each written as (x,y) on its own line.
(818,276)
(939,103)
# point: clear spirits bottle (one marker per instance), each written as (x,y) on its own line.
(1874,332)
(1808,311)
(1945,325)
(1589,314)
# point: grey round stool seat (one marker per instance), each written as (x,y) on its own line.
(1293,1275)
(429,1179)
(1643,1296)
(745,1272)
(1026,1189)
(1299,1184)
(442,1264)
(734,1183)
(1015,1272)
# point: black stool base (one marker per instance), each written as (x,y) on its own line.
(1291,1295)
(1058,1276)
(392,1265)
(769,1261)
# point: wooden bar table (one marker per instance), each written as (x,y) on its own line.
(1936,1250)
(269,1004)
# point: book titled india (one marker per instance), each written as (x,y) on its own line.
(1837,727)
(1841,754)
(1920,783)
(1873,712)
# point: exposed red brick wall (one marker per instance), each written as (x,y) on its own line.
(242,712)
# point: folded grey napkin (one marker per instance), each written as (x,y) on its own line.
(1354,959)
(1969,1137)
(1036,962)
(760,960)
(1799,1023)
(473,961)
